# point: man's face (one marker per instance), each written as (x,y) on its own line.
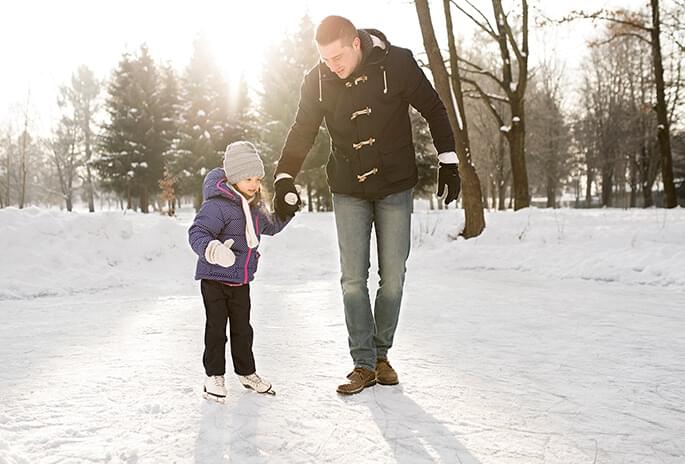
(341,59)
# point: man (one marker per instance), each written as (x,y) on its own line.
(362,88)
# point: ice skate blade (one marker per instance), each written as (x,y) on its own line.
(268,392)
(216,399)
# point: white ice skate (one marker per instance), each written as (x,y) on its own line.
(214,389)
(256,383)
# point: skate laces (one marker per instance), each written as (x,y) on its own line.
(218,381)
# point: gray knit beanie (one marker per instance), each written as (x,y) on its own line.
(241,161)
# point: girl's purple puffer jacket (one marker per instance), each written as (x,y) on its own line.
(221,217)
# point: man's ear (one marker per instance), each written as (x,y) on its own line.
(357,43)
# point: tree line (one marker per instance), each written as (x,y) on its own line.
(145,137)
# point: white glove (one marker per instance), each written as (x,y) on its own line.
(220,253)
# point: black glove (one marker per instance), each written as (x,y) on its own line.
(448,174)
(285,209)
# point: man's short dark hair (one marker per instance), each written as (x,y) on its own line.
(332,28)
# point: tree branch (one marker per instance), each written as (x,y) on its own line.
(486,27)
(617,36)
(482,72)
(502,41)
(485,19)
(498,98)
(677,93)
(488,101)
(602,15)
(510,35)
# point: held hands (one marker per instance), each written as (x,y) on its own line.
(220,253)
(448,175)
(286,199)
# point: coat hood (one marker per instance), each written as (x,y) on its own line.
(375,46)
(215,185)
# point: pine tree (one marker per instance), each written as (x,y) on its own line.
(288,61)
(210,117)
(426,157)
(134,139)
(118,151)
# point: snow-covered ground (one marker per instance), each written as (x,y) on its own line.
(555,337)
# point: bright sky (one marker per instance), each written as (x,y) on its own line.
(43,42)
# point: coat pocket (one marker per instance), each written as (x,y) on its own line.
(339,171)
(397,163)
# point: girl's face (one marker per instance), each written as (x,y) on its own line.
(250,186)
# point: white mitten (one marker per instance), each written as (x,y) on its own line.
(220,253)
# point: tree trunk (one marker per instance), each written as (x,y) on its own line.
(197,199)
(23,170)
(501,181)
(129,197)
(310,203)
(588,187)
(551,191)
(9,156)
(607,185)
(144,200)
(89,190)
(633,180)
(491,197)
(502,197)
(90,194)
(647,198)
(518,159)
(452,98)
(663,131)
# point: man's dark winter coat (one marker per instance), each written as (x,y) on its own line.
(372,153)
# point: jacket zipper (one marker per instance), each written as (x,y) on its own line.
(249,250)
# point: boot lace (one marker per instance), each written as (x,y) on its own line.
(357,374)
(218,380)
(382,363)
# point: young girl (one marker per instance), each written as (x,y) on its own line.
(225,235)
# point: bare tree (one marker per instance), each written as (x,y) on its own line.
(23,166)
(488,142)
(7,181)
(617,130)
(548,134)
(63,148)
(448,87)
(635,25)
(511,82)
(489,147)
(82,98)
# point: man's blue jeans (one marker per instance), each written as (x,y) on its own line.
(370,334)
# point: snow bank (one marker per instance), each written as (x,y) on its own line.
(49,252)
(629,246)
